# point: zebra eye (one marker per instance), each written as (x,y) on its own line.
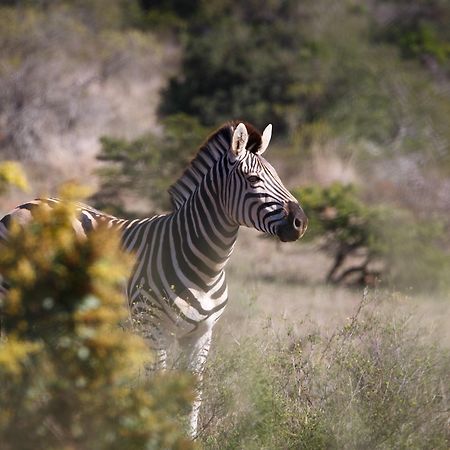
(253,179)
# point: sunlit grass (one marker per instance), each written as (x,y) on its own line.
(376,381)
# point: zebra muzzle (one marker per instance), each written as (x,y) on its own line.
(295,224)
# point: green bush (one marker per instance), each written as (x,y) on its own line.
(373,384)
(244,61)
(291,65)
(419,29)
(149,165)
(69,373)
(369,242)
(347,226)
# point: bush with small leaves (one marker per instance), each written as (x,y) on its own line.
(376,242)
(149,165)
(346,225)
(69,373)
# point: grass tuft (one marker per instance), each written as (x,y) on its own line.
(376,382)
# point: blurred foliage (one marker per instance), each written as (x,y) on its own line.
(167,15)
(291,64)
(69,373)
(420,28)
(148,165)
(47,27)
(11,175)
(244,61)
(416,252)
(182,8)
(57,62)
(368,384)
(288,63)
(371,242)
(347,226)
(98,14)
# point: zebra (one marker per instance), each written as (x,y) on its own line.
(177,289)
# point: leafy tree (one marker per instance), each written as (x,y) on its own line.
(293,65)
(68,371)
(149,165)
(420,29)
(376,242)
(347,226)
(243,61)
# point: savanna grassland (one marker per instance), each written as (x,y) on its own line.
(339,341)
(302,364)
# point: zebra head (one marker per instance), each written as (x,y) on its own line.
(256,197)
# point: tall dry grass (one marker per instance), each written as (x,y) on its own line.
(378,381)
(299,364)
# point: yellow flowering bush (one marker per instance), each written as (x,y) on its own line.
(69,373)
(11,175)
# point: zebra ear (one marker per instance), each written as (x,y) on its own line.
(265,139)
(239,140)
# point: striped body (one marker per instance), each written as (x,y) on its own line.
(178,288)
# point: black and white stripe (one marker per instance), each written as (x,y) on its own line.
(178,287)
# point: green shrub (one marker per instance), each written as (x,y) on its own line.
(347,226)
(244,61)
(369,242)
(69,374)
(149,165)
(419,30)
(291,65)
(373,384)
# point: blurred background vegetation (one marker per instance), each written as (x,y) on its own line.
(119,94)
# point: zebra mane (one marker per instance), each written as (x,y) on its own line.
(207,155)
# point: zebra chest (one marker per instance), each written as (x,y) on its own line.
(177,311)
(174,294)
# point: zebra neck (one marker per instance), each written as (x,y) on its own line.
(203,228)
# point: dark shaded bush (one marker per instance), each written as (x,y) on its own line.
(419,29)
(244,61)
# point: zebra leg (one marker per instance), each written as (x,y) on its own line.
(161,359)
(3,292)
(195,352)
(140,322)
(2,331)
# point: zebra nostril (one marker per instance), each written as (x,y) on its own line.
(297,224)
